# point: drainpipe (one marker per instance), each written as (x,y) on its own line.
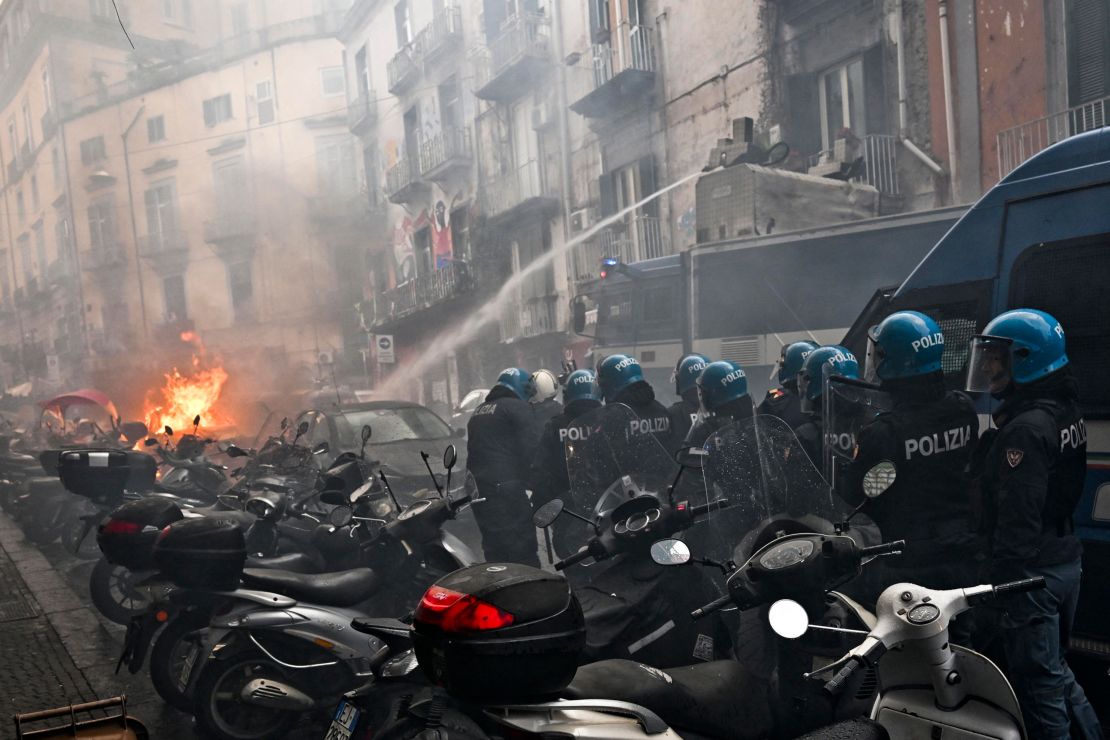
(134,225)
(949,112)
(903,102)
(565,166)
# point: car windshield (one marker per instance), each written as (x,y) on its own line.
(389,425)
(472,400)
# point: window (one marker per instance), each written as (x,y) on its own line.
(20,206)
(599,21)
(173,298)
(102,224)
(842,102)
(239,19)
(450,107)
(47,91)
(13,137)
(63,242)
(27,130)
(35,204)
(229,179)
(331,81)
(402,22)
(1088,47)
(264,98)
(26,258)
(335,165)
(92,150)
(178,11)
(156,128)
(362,73)
(242,290)
(161,211)
(40,247)
(217,110)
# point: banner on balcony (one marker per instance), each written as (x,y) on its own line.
(384,345)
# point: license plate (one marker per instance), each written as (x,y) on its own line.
(344,722)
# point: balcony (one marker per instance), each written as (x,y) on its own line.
(455,280)
(515,61)
(232,235)
(402,182)
(1018,144)
(870,160)
(402,70)
(518,193)
(167,250)
(630,240)
(533,317)
(444,153)
(362,112)
(441,36)
(624,71)
(104,258)
(59,272)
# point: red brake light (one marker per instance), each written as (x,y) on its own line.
(119,526)
(452,611)
(162,535)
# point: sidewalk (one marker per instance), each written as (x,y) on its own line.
(54,648)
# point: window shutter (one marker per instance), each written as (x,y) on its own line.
(647,185)
(608,195)
(1090,46)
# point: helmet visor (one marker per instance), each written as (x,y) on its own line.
(989,366)
(808,405)
(872,359)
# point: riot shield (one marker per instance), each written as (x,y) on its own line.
(849,405)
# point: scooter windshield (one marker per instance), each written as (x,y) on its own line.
(848,406)
(771,485)
(613,455)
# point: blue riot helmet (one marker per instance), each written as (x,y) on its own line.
(581,385)
(616,373)
(516,380)
(1022,346)
(821,364)
(720,383)
(686,372)
(905,344)
(791,359)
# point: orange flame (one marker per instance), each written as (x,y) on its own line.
(184,397)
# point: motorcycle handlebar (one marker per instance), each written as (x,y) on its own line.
(711,607)
(1017,587)
(703,509)
(836,684)
(886,548)
(574,559)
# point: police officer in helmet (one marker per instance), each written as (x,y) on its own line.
(549,479)
(621,380)
(819,365)
(501,435)
(783,401)
(1033,477)
(542,389)
(723,395)
(929,436)
(684,411)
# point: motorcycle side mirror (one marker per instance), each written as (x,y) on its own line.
(366,432)
(691,457)
(302,429)
(547,514)
(340,516)
(879,479)
(670,552)
(150,442)
(167,430)
(196,423)
(450,457)
(321,449)
(236,451)
(788,619)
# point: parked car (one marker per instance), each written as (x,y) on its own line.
(472,400)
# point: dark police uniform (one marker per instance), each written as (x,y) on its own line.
(1034,475)
(785,404)
(684,414)
(500,442)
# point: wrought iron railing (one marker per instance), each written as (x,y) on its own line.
(508,191)
(400,176)
(523,35)
(108,255)
(631,46)
(163,242)
(1017,144)
(533,317)
(227,227)
(444,30)
(402,70)
(453,280)
(448,144)
(636,238)
(880,161)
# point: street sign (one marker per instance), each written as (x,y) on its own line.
(385,349)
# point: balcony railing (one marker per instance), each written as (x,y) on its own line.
(1018,144)
(163,243)
(402,180)
(451,281)
(49,124)
(506,192)
(230,228)
(632,47)
(880,161)
(362,112)
(402,70)
(505,69)
(448,148)
(442,34)
(104,257)
(533,317)
(636,238)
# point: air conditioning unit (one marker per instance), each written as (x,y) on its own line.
(325,359)
(580,220)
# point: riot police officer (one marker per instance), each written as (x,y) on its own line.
(549,479)
(501,436)
(542,387)
(1033,478)
(621,380)
(723,395)
(929,436)
(783,401)
(819,365)
(684,411)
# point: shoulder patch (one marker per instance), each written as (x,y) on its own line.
(1014,456)
(775,393)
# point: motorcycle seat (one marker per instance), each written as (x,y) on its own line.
(720,698)
(295,562)
(341,588)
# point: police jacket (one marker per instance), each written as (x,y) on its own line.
(711,423)
(548,478)
(786,404)
(501,437)
(656,420)
(810,434)
(930,436)
(684,414)
(545,411)
(1035,469)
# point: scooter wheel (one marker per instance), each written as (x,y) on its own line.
(218,708)
(173,657)
(113,593)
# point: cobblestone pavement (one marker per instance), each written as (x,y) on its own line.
(55,649)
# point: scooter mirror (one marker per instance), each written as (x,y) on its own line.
(547,514)
(366,432)
(150,442)
(168,431)
(691,457)
(340,516)
(321,449)
(879,479)
(302,429)
(670,552)
(450,457)
(788,619)
(236,451)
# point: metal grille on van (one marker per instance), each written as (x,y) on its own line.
(742,350)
